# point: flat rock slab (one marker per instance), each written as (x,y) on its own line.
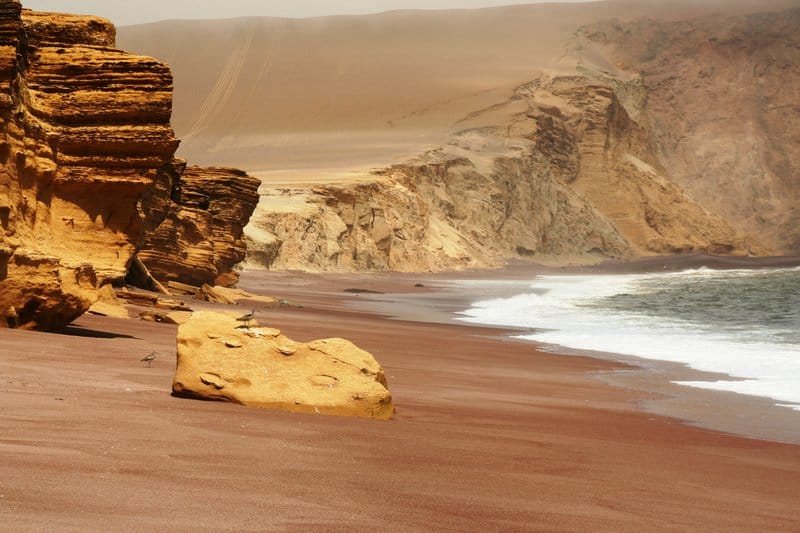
(260,367)
(107,309)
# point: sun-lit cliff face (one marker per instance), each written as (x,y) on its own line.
(448,140)
(84,140)
(559,172)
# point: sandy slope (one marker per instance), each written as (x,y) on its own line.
(348,93)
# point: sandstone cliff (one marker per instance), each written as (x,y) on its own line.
(84,139)
(669,137)
(196,224)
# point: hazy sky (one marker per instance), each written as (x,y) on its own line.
(124,12)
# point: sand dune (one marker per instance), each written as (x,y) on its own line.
(352,92)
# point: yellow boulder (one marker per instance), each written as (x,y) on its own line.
(221,359)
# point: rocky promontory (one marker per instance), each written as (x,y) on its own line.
(88,177)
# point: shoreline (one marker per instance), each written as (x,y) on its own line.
(443,297)
(490,433)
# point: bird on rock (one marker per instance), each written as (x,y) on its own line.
(247,318)
(149,358)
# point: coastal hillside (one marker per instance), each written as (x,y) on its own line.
(718,98)
(444,140)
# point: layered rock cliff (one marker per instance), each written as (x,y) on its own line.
(198,236)
(669,137)
(559,172)
(85,141)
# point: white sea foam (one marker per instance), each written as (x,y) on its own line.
(563,311)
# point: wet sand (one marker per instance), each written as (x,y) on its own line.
(445,295)
(490,434)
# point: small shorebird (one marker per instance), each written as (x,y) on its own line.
(149,358)
(247,318)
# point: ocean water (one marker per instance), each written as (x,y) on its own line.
(744,324)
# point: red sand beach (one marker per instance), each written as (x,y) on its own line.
(490,434)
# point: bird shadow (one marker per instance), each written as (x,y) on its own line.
(78,331)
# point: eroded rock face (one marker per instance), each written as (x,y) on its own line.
(565,175)
(200,236)
(614,168)
(220,359)
(668,138)
(76,152)
(85,145)
(718,97)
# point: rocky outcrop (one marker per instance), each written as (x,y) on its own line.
(92,126)
(445,214)
(657,132)
(200,234)
(374,225)
(220,359)
(608,160)
(85,145)
(560,172)
(671,137)
(718,98)
(51,179)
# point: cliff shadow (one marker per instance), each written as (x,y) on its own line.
(79,331)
